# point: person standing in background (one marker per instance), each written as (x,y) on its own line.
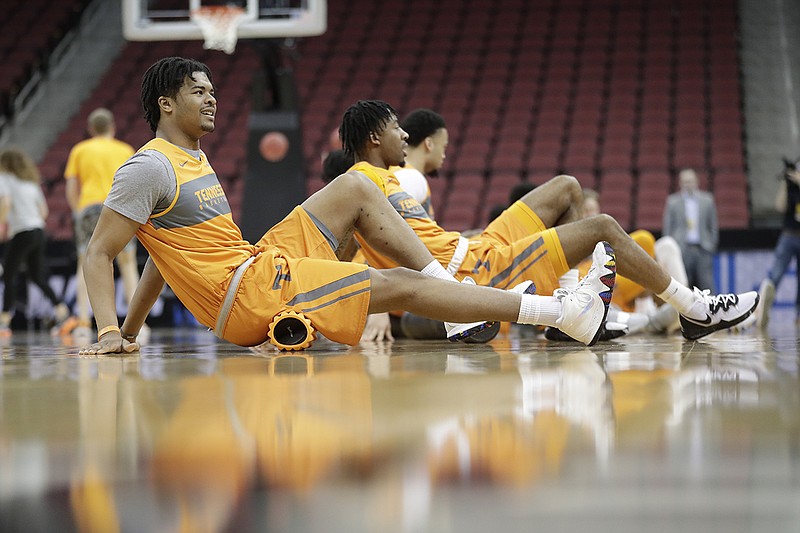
(690,217)
(23,208)
(787,202)
(89,173)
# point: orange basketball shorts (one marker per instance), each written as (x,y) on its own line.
(297,270)
(516,247)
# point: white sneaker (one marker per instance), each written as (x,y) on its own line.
(461,332)
(585,308)
(722,311)
(766,294)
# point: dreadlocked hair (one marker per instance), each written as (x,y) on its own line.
(361,119)
(421,124)
(165,78)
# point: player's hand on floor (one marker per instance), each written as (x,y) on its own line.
(377,328)
(116,344)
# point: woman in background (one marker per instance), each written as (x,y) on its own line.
(24,210)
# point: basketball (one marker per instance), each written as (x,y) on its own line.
(273,146)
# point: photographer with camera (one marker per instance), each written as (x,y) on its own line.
(787,201)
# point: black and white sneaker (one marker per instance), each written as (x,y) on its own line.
(722,311)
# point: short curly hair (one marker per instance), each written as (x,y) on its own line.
(421,124)
(165,77)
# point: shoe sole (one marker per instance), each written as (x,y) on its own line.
(466,334)
(609,280)
(701,331)
(485,335)
(599,329)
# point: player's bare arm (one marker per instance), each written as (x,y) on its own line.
(112,233)
(147,291)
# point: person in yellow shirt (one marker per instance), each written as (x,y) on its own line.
(89,172)
(289,284)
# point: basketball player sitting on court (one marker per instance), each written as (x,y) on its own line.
(538,238)
(289,284)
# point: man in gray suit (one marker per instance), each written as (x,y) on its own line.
(690,217)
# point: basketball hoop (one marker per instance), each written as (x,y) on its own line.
(218,24)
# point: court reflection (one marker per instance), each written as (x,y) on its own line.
(222,438)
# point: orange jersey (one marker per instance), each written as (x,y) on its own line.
(195,243)
(197,246)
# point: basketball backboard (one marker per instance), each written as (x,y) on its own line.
(161,20)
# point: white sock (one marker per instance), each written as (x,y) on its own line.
(434,269)
(681,298)
(570,279)
(539,310)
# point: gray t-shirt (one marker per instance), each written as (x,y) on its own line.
(26,200)
(145,184)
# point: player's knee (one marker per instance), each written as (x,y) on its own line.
(395,286)
(607,225)
(569,184)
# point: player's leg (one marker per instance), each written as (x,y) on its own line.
(633,262)
(557,201)
(701,314)
(578,313)
(402,288)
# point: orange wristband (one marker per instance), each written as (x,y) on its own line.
(107,329)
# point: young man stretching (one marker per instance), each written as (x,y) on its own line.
(539,238)
(289,284)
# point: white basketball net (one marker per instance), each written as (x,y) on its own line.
(218,24)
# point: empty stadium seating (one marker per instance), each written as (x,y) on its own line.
(29,31)
(620,93)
